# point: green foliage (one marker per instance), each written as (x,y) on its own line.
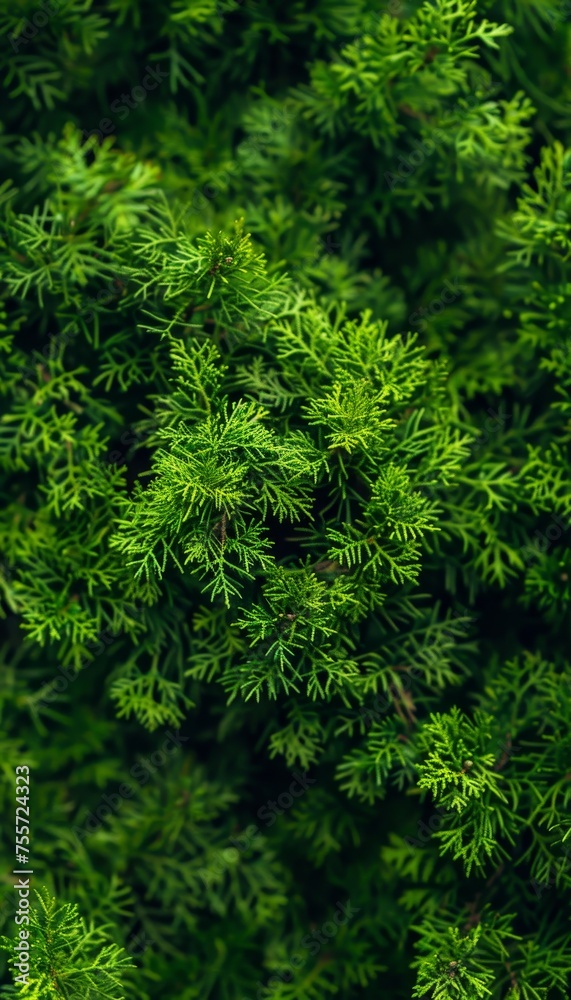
(285,382)
(72,957)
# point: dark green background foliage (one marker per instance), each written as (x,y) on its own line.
(286,395)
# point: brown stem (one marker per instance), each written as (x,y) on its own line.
(407,110)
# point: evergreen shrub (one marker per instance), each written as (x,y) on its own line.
(285,381)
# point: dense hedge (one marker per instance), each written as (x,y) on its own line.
(285,374)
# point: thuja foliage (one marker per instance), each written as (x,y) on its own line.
(72,957)
(285,370)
